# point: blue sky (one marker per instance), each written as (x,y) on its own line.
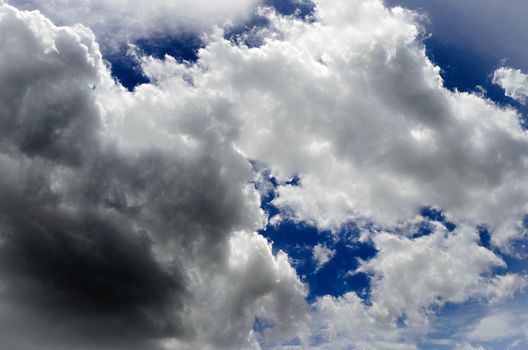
(287,180)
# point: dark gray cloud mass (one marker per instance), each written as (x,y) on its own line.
(100,243)
(79,262)
(92,276)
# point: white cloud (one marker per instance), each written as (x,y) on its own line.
(507,329)
(116,21)
(468,346)
(345,322)
(322,254)
(411,278)
(513,81)
(360,114)
(410,275)
(224,308)
(495,327)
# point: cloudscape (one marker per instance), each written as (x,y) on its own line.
(263,174)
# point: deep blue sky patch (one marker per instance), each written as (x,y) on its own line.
(336,277)
(125,68)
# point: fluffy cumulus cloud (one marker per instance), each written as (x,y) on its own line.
(351,104)
(513,81)
(411,275)
(130,219)
(410,279)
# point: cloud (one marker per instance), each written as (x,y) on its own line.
(495,327)
(361,116)
(412,275)
(505,328)
(345,322)
(322,254)
(514,83)
(129,218)
(467,346)
(115,244)
(410,278)
(116,21)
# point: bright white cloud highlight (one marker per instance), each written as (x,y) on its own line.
(411,275)
(352,105)
(410,278)
(322,254)
(513,81)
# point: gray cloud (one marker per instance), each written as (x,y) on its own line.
(113,245)
(116,22)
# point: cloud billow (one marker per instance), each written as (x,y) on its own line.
(129,218)
(118,245)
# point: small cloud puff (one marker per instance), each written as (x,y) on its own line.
(513,81)
(322,255)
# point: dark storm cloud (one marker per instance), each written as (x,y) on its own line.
(73,261)
(97,241)
(82,269)
(87,252)
(127,219)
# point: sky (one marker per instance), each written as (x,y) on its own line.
(263,174)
